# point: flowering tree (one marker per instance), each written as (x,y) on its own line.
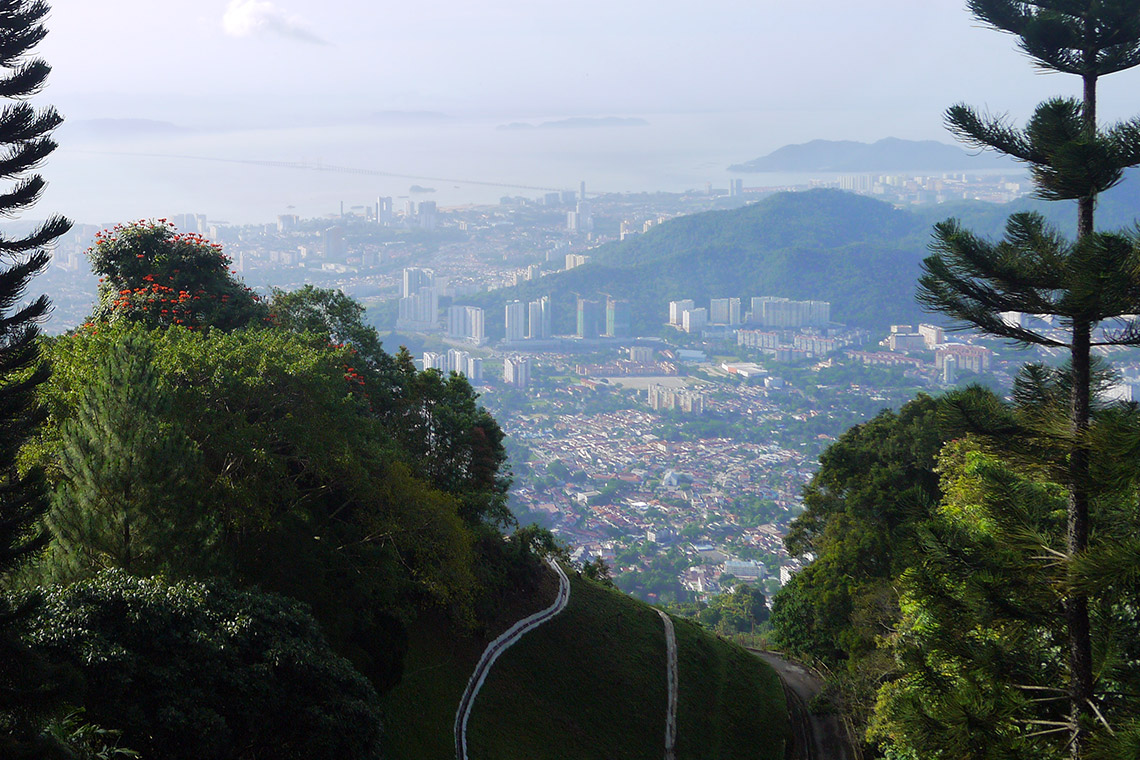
(151,273)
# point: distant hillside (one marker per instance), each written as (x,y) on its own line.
(889,154)
(591,683)
(860,254)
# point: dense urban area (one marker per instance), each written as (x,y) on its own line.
(678,457)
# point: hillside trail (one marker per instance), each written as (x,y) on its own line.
(815,736)
(496,648)
(671,672)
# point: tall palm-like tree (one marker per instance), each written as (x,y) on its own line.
(1087,283)
(24,144)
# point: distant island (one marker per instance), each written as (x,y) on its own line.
(889,154)
(579,122)
(420,189)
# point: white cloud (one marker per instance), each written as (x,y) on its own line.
(246,18)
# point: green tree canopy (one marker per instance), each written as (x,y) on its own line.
(1071,157)
(201,670)
(875,487)
(153,274)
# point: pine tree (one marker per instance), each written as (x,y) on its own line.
(126,498)
(24,133)
(1086,283)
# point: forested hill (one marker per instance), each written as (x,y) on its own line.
(860,254)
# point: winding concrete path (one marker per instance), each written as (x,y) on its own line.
(671,669)
(496,648)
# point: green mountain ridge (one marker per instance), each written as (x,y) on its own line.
(860,254)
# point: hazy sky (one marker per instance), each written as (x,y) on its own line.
(869,68)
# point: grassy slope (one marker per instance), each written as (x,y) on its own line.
(589,684)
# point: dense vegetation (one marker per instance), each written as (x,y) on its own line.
(250,502)
(975,576)
(27,693)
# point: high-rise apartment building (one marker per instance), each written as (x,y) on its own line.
(619,318)
(539,319)
(457,322)
(641,354)
(591,318)
(427,215)
(724,311)
(768,311)
(516,371)
(694,320)
(476,326)
(677,308)
(515,319)
(457,360)
(416,278)
(333,245)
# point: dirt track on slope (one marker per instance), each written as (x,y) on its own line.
(815,737)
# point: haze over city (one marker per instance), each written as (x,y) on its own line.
(420,90)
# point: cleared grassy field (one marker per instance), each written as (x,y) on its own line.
(588,685)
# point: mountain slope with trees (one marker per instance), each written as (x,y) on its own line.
(860,254)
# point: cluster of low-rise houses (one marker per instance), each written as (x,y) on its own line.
(609,481)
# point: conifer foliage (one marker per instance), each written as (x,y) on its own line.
(24,135)
(1090,284)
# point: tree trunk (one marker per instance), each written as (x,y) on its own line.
(1077,605)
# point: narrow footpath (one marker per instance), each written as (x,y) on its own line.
(815,737)
(671,671)
(496,648)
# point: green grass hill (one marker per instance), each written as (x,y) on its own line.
(591,683)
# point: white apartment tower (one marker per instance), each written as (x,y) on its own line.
(416,278)
(516,371)
(515,318)
(476,329)
(538,321)
(677,308)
